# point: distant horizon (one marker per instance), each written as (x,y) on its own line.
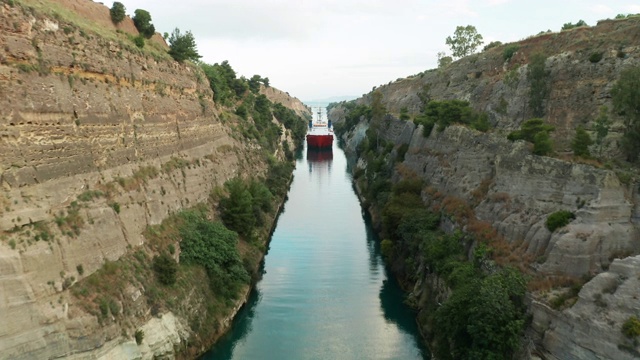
(331,99)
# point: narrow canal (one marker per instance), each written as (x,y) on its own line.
(325,293)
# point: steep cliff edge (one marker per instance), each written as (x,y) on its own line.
(99,141)
(488,185)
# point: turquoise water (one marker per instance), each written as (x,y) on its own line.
(325,293)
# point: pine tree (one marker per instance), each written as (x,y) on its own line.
(581,142)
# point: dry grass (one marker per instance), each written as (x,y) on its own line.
(458,208)
(405,172)
(62,13)
(481,191)
(500,197)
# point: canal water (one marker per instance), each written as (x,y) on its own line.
(325,293)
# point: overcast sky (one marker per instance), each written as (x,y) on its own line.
(325,48)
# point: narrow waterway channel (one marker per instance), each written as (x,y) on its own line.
(325,293)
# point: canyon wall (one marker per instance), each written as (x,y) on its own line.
(507,187)
(98,141)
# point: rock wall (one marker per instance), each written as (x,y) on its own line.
(514,192)
(578,87)
(98,140)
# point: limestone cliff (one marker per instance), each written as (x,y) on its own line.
(507,187)
(98,140)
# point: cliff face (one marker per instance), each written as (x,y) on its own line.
(514,192)
(98,140)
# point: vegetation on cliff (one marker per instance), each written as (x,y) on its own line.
(485,315)
(470,265)
(180,143)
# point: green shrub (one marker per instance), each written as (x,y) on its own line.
(80,269)
(139,335)
(537,132)
(166,268)
(492,45)
(631,327)
(569,26)
(117,12)
(115,206)
(509,51)
(595,57)
(542,144)
(114,307)
(404,114)
(386,248)
(104,307)
(581,142)
(559,219)
(139,41)
(213,246)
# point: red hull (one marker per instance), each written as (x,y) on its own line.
(319,141)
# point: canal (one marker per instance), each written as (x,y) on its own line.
(325,293)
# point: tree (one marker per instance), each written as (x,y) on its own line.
(581,142)
(626,101)
(254,83)
(542,144)
(142,21)
(183,46)
(237,209)
(529,129)
(117,12)
(465,41)
(539,89)
(166,268)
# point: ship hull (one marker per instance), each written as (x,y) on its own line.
(319,141)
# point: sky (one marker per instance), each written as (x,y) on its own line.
(321,49)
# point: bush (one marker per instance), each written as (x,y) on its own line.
(537,132)
(142,21)
(117,12)
(529,129)
(569,26)
(492,45)
(166,269)
(115,206)
(386,248)
(595,57)
(542,144)
(581,142)
(213,246)
(139,41)
(139,335)
(509,51)
(631,327)
(559,219)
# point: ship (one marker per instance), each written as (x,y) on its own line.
(319,133)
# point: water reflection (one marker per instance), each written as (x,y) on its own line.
(319,160)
